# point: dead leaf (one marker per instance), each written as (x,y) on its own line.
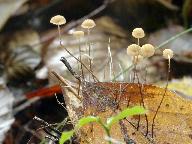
(181,86)
(173,123)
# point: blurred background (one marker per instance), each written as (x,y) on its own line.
(29,50)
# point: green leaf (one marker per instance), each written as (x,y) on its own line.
(85,120)
(125,113)
(66,136)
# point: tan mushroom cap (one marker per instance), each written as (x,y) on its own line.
(138,33)
(58,20)
(167,53)
(133,49)
(88,24)
(147,50)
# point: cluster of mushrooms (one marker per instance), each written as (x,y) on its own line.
(147,50)
(136,51)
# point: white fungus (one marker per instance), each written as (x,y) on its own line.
(167,53)
(58,20)
(138,33)
(133,50)
(147,50)
(88,24)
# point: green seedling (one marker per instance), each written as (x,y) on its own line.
(137,110)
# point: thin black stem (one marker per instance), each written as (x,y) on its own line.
(143,103)
(82,64)
(124,132)
(79,88)
(153,122)
(80,59)
(95,78)
(48,125)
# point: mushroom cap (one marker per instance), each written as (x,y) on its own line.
(133,49)
(78,34)
(58,20)
(88,24)
(147,50)
(167,53)
(138,33)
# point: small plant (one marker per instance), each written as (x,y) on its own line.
(106,126)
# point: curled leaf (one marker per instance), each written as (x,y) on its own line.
(85,120)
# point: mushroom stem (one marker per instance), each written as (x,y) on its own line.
(89,50)
(138,41)
(59,31)
(168,73)
(80,59)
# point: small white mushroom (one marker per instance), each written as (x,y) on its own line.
(138,33)
(167,53)
(88,24)
(133,50)
(58,20)
(147,50)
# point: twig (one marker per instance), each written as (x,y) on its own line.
(66,63)
(81,63)
(52,135)
(63,81)
(48,125)
(124,132)
(52,138)
(62,104)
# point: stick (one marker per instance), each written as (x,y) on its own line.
(66,63)
(63,81)
(81,63)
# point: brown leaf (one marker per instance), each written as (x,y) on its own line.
(172,125)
